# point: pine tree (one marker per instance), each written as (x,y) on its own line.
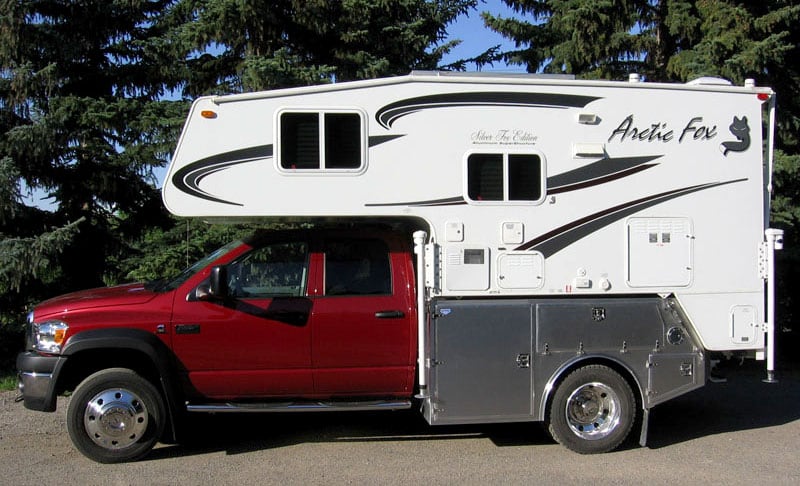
(235,46)
(595,38)
(663,40)
(164,253)
(83,122)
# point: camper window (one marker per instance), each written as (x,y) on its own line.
(524,177)
(485,177)
(504,177)
(300,141)
(342,141)
(313,140)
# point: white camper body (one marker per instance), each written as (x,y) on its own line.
(527,186)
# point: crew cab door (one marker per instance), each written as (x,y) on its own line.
(363,339)
(256,342)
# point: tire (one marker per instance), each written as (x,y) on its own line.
(115,415)
(592,410)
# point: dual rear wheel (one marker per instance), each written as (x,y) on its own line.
(592,410)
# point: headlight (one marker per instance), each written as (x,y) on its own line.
(48,336)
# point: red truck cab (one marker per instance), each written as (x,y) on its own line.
(282,319)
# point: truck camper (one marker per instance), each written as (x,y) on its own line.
(487,248)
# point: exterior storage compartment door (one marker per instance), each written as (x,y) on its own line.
(481,362)
(660,252)
(671,375)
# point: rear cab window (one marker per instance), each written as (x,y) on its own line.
(357,267)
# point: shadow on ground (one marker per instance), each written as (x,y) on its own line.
(744,402)
(242,433)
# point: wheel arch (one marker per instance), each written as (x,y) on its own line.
(90,351)
(571,365)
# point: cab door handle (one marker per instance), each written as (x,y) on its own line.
(187,329)
(390,314)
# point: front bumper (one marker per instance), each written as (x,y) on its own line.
(37,379)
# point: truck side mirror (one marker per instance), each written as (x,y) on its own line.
(218,286)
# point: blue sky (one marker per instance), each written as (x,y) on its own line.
(476,38)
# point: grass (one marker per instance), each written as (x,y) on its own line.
(8,380)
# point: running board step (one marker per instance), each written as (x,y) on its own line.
(267,407)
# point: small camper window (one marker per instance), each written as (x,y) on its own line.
(321,141)
(504,177)
(485,177)
(342,141)
(300,141)
(524,177)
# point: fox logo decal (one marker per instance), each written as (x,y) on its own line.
(741,130)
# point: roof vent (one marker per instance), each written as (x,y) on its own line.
(634,78)
(709,81)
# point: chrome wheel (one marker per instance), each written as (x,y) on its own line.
(115,415)
(115,419)
(593,411)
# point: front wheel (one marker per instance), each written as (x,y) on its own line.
(592,410)
(115,415)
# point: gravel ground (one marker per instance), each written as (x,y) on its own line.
(739,432)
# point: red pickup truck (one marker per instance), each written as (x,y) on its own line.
(329,319)
(279,321)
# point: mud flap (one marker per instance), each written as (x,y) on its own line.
(645,422)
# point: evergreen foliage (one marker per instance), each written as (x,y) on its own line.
(246,45)
(662,40)
(83,123)
(163,253)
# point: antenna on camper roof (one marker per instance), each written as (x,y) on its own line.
(187,243)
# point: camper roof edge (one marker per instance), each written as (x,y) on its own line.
(488,78)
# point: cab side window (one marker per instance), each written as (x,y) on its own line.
(357,267)
(272,270)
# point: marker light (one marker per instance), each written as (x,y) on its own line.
(763,96)
(208,114)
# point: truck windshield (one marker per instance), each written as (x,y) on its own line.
(175,282)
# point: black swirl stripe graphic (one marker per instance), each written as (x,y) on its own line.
(593,174)
(188,178)
(449,201)
(556,240)
(599,172)
(387,115)
(379,139)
